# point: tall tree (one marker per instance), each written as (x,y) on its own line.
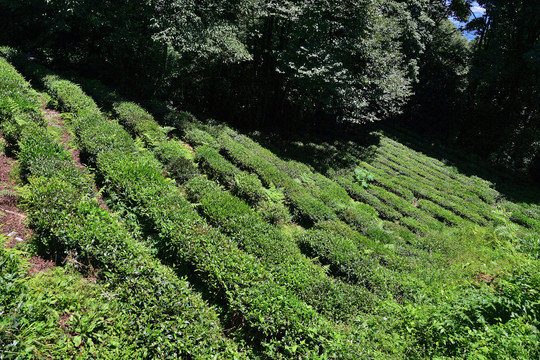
(505,82)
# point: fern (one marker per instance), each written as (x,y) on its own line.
(9,193)
(274,194)
(507,233)
(10,106)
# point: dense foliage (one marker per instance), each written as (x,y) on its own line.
(504,88)
(428,261)
(265,60)
(180,236)
(289,65)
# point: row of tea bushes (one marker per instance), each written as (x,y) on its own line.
(168,320)
(33,306)
(247,186)
(360,215)
(256,236)
(257,307)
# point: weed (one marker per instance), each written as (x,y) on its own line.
(363,177)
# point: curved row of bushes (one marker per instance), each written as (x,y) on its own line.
(168,320)
(265,313)
(310,282)
(440,194)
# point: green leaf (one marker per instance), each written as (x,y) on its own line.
(77,340)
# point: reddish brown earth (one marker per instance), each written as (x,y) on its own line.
(11,217)
(13,220)
(54,120)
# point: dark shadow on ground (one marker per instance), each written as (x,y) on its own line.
(337,148)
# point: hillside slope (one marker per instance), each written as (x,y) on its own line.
(306,249)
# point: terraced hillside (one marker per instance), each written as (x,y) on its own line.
(219,244)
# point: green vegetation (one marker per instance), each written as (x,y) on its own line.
(179,236)
(166,317)
(59,314)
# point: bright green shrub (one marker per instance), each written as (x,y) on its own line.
(16,95)
(167,151)
(215,165)
(379,235)
(525,220)
(415,225)
(95,135)
(243,184)
(176,159)
(357,214)
(401,205)
(360,194)
(70,97)
(273,212)
(354,258)
(292,269)
(41,155)
(13,270)
(342,254)
(139,122)
(359,240)
(304,207)
(19,104)
(248,187)
(197,137)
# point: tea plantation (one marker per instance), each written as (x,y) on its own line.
(181,238)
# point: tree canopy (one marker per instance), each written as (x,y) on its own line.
(278,63)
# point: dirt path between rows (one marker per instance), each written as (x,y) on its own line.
(13,220)
(54,120)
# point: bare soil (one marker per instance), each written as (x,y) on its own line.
(55,120)
(12,219)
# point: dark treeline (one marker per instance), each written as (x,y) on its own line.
(302,64)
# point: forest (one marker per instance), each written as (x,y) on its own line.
(270,179)
(296,65)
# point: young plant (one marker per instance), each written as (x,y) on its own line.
(363,177)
